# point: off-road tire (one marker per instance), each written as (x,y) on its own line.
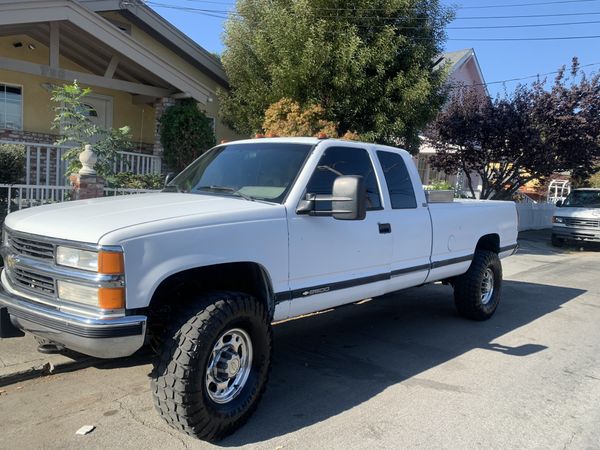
(178,378)
(557,241)
(468,287)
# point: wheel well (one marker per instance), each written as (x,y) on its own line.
(489,242)
(176,290)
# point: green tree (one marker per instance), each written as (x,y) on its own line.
(185,133)
(368,63)
(76,130)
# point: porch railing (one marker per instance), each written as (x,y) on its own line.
(44,164)
(14,197)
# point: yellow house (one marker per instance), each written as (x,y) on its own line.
(136,63)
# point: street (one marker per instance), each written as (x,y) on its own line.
(403,371)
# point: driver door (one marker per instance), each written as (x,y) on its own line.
(333,262)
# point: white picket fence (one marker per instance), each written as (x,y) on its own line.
(535,216)
(138,163)
(44,164)
(14,197)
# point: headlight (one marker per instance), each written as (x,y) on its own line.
(556,219)
(104,298)
(79,259)
(105,262)
(77,293)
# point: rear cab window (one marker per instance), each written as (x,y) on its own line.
(398,180)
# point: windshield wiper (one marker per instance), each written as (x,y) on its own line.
(226,189)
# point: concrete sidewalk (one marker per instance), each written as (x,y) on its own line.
(20,360)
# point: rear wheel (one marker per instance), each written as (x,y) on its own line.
(477,292)
(213,366)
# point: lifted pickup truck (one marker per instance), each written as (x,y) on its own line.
(250,233)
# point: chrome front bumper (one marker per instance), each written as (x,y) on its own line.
(102,338)
(577,234)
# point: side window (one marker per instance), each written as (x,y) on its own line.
(402,194)
(338,161)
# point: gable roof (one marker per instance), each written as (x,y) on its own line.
(455,60)
(84,26)
(164,32)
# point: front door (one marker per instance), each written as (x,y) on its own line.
(99,111)
(333,262)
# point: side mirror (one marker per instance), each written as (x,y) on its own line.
(559,203)
(348,200)
(169,178)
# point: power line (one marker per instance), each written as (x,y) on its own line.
(460,7)
(520,26)
(225,13)
(528,77)
(221,15)
(544,38)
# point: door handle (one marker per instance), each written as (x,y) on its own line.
(385,228)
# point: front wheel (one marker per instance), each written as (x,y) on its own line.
(213,366)
(477,292)
(556,241)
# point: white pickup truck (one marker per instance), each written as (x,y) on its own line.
(250,233)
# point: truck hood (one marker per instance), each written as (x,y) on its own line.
(579,213)
(90,220)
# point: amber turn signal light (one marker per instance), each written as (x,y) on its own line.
(111,298)
(110,263)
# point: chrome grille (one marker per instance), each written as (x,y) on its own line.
(29,247)
(587,223)
(31,281)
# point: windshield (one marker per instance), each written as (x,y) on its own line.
(263,171)
(583,199)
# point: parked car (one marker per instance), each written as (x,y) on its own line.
(250,233)
(578,218)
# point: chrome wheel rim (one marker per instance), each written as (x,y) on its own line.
(229,366)
(487,286)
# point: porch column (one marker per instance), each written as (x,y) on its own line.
(160,106)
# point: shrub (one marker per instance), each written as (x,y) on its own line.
(130,180)
(12,163)
(439,185)
(594,180)
(185,133)
(287,118)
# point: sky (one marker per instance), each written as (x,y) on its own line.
(499,60)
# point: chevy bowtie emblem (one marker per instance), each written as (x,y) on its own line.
(11,262)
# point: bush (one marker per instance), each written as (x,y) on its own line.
(594,180)
(185,133)
(287,118)
(439,185)
(130,180)
(12,163)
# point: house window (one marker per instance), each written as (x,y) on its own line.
(11,107)
(213,123)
